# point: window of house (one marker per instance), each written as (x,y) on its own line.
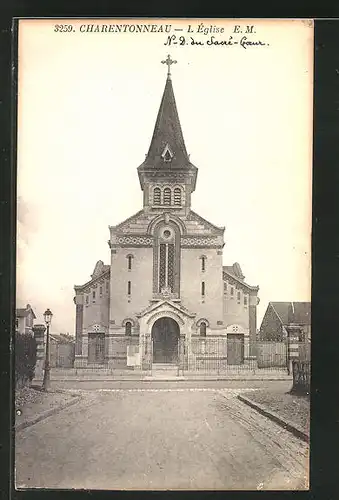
(157,196)
(203,263)
(17,323)
(128,328)
(93,295)
(245,300)
(225,287)
(238,297)
(203,329)
(107,286)
(203,288)
(87,299)
(167,196)
(177,196)
(100,290)
(232,290)
(128,288)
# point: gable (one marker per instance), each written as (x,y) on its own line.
(197,224)
(98,269)
(165,304)
(136,224)
(293,312)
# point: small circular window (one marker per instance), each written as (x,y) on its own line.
(167,233)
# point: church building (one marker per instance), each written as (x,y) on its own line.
(165,292)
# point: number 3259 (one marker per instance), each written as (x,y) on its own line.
(63,27)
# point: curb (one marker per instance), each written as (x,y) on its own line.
(294,429)
(46,414)
(174,379)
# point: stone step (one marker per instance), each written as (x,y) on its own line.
(164,366)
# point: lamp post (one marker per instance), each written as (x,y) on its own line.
(46,381)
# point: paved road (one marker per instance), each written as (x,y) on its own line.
(160,439)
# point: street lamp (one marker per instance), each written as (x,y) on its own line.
(46,381)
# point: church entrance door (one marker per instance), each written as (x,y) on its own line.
(165,336)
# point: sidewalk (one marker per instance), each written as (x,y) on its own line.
(289,411)
(126,375)
(33,405)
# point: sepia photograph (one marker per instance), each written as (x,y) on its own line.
(164,219)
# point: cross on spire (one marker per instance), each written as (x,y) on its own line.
(169,61)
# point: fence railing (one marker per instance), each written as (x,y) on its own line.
(301,376)
(200,355)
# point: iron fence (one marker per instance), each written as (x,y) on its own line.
(198,355)
(301,376)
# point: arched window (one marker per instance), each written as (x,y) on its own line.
(245,300)
(128,328)
(203,288)
(129,261)
(238,297)
(177,196)
(203,329)
(203,263)
(157,196)
(128,288)
(167,196)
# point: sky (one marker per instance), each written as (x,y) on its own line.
(87,105)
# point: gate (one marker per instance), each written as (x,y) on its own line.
(96,348)
(235,349)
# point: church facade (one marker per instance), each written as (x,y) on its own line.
(165,289)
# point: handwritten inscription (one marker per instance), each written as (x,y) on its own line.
(197,35)
(243,42)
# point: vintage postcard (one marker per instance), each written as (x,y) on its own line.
(163,322)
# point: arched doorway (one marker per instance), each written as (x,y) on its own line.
(165,336)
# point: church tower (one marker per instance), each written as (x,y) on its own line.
(167,177)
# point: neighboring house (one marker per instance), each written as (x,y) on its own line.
(280,315)
(24,320)
(62,350)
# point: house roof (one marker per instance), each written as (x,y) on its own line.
(293,312)
(23,312)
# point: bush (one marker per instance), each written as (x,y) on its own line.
(25,358)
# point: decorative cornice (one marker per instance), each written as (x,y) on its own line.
(238,283)
(131,240)
(202,241)
(97,280)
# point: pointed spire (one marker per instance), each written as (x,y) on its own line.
(167,135)
(167,155)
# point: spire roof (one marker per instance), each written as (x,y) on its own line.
(167,154)
(167,144)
